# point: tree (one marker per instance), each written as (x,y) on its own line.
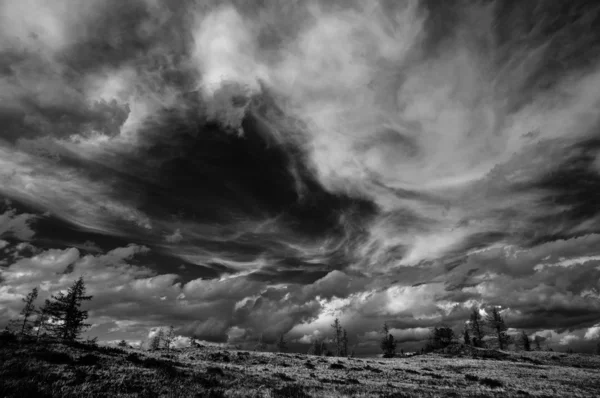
(440,337)
(538,342)
(42,318)
(169,337)
(29,309)
(122,343)
(387,344)
(525,341)
(319,348)
(598,348)
(260,346)
(337,336)
(466,337)
(69,320)
(344,352)
(281,343)
(476,327)
(495,322)
(156,340)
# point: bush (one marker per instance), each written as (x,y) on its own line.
(88,360)
(57,358)
(491,383)
(290,391)
(7,337)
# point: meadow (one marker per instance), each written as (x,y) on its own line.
(53,369)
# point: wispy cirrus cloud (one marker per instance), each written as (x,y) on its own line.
(289,162)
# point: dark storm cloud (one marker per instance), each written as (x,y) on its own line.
(399,161)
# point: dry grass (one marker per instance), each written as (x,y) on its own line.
(55,370)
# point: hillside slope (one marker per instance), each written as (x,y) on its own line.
(57,370)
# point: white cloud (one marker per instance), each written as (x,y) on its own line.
(592,333)
(568,339)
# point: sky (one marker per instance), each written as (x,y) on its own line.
(240,169)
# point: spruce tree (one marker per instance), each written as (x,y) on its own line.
(42,318)
(525,341)
(156,340)
(281,343)
(387,344)
(64,310)
(169,337)
(496,323)
(28,310)
(344,352)
(477,327)
(337,336)
(467,337)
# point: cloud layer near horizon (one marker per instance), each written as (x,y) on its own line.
(237,169)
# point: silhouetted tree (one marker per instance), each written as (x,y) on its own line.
(538,342)
(598,348)
(156,340)
(440,337)
(42,318)
(495,322)
(281,343)
(466,337)
(260,346)
(122,343)
(28,310)
(476,327)
(525,341)
(344,352)
(387,344)
(64,309)
(169,337)
(337,336)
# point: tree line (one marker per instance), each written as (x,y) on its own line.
(60,316)
(482,332)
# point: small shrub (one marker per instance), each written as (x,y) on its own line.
(491,383)
(283,376)
(372,369)
(215,370)
(214,393)
(471,377)
(290,391)
(7,337)
(309,365)
(336,366)
(57,358)
(88,360)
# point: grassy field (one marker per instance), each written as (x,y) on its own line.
(56,370)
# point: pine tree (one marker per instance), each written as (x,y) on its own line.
(28,310)
(467,337)
(538,342)
(169,337)
(281,343)
(42,318)
(337,336)
(525,341)
(477,328)
(495,322)
(344,352)
(387,344)
(122,343)
(260,346)
(64,310)
(156,340)
(598,348)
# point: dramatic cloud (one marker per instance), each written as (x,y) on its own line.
(246,168)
